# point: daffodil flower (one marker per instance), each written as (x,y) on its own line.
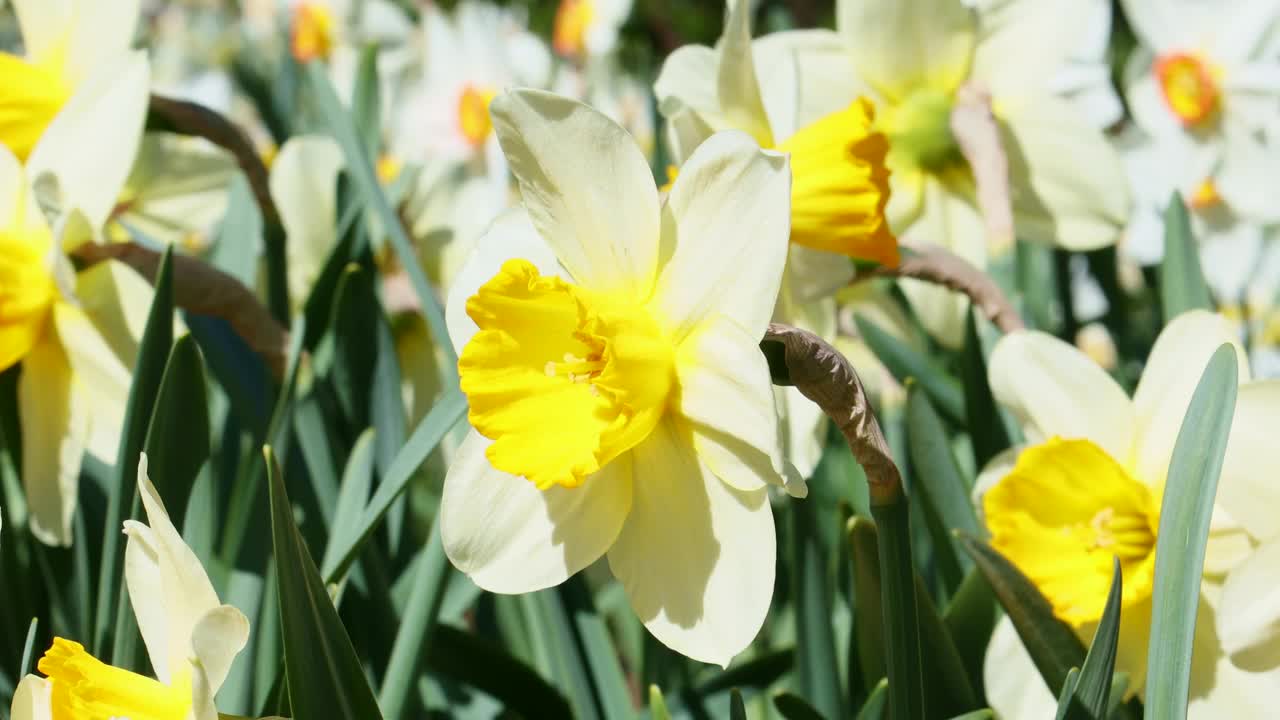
(191,638)
(469,57)
(1204,84)
(74,333)
(588,28)
(1088,487)
(620,404)
(325,29)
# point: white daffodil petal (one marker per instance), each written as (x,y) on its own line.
(44,25)
(117,300)
(1173,370)
(100,386)
(1013,685)
(695,556)
(1056,390)
(728,225)
(1249,613)
(1248,488)
(1041,34)
(304,188)
(184,586)
(737,86)
(99,33)
(511,537)
(803,429)
(202,694)
(826,77)
(726,395)
(1221,687)
(901,45)
(216,640)
(142,570)
(90,144)
(54,432)
(512,235)
(178,189)
(688,80)
(32,699)
(601,217)
(1048,143)
(686,130)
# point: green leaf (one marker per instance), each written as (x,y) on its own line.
(366,101)
(359,164)
(794,707)
(28,649)
(867,613)
(904,664)
(877,702)
(153,354)
(757,673)
(941,485)
(905,362)
(601,655)
(355,343)
(817,676)
(983,714)
(737,710)
(357,478)
(481,664)
(1184,530)
(657,705)
(443,416)
(1093,687)
(987,430)
(1066,698)
(323,672)
(416,627)
(1182,284)
(1052,644)
(178,439)
(556,649)
(970,618)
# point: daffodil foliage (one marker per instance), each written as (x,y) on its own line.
(373,359)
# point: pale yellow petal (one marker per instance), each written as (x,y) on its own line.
(216,640)
(901,45)
(1249,615)
(54,432)
(100,386)
(1249,487)
(304,188)
(32,699)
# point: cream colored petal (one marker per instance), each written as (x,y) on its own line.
(1228,545)
(948,219)
(803,428)
(695,556)
(90,145)
(1249,487)
(1221,687)
(1054,202)
(54,431)
(1040,34)
(687,80)
(1013,685)
(901,45)
(202,694)
(737,86)
(100,384)
(32,699)
(726,396)
(216,640)
(1056,390)
(304,188)
(511,236)
(100,32)
(1249,616)
(726,226)
(178,190)
(826,77)
(686,130)
(601,217)
(510,537)
(186,595)
(44,25)
(1174,367)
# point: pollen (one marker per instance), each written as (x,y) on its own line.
(1189,84)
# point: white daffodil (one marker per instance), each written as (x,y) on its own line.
(334,30)
(910,57)
(469,58)
(74,333)
(839,189)
(176,192)
(608,88)
(620,404)
(1205,83)
(1088,487)
(191,638)
(586,29)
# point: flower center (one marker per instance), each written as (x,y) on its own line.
(840,185)
(573,18)
(1205,196)
(1061,515)
(85,688)
(1190,86)
(562,379)
(919,130)
(473,114)
(27,290)
(31,94)
(313,33)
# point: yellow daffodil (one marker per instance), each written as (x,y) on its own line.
(588,28)
(1088,487)
(620,404)
(75,334)
(839,188)
(191,638)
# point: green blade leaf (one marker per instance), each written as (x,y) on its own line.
(737,710)
(986,426)
(479,663)
(323,672)
(446,413)
(28,649)
(153,354)
(794,707)
(942,486)
(366,101)
(817,676)
(1093,688)
(601,656)
(904,662)
(417,627)
(877,702)
(1052,644)
(869,631)
(905,362)
(1184,530)
(1066,698)
(657,705)
(178,439)
(1182,284)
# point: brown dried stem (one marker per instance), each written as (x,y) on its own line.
(828,379)
(205,290)
(940,266)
